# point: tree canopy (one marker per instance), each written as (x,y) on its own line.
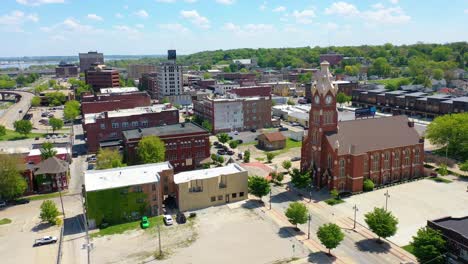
(108,158)
(451,131)
(23,126)
(223,137)
(47,150)
(56,98)
(2,130)
(429,245)
(151,149)
(381,222)
(330,235)
(12,183)
(49,212)
(342,98)
(55,123)
(258,186)
(71,110)
(297,213)
(300,180)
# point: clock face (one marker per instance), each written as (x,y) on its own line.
(328,99)
(317,99)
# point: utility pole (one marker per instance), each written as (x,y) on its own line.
(159,238)
(355,211)
(310,192)
(270,197)
(59,188)
(386,199)
(308,230)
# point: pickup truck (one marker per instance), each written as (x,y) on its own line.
(45,240)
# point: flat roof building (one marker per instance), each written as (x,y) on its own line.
(88,59)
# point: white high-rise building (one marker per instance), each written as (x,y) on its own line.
(170,80)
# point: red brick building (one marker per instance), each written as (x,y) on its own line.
(109,102)
(65,70)
(100,77)
(342,155)
(105,129)
(187,144)
(249,91)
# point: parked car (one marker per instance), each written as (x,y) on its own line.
(295,158)
(47,137)
(45,240)
(221,152)
(295,124)
(283,129)
(216,143)
(230,152)
(36,138)
(54,136)
(240,141)
(253,130)
(75,154)
(225,148)
(3,204)
(50,115)
(144,222)
(168,220)
(92,159)
(236,133)
(44,114)
(180,218)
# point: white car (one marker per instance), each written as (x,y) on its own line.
(168,220)
(45,240)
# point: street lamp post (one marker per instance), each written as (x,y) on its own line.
(308,230)
(386,199)
(310,192)
(355,211)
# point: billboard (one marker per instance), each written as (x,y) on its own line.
(171,54)
(364,112)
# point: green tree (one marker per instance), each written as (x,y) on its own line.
(464,166)
(381,67)
(438,74)
(368,185)
(56,98)
(151,149)
(381,222)
(300,180)
(450,131)
(164,101)
(247,156)
(12,183)
(305,78)
(270,156)
(297,213)
(108,159)
(23,127)
(52,83)
(207,75)
(342,98)
(258,186)
(207,125)
(55,123)
(429,245)
(243,70)
(71,110)
(441,53)
(47,150)
(443,170)
(220,159)
(223,137)
(351,70)
(291,102)
(330,235)
(233,144)
(335,194)
(36,101)
(2,131)
(49,212)
(286,165)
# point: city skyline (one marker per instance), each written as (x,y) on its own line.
(32,27)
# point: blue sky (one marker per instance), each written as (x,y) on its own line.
(67,27)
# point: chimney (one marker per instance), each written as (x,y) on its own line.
(411,123)
(352,149)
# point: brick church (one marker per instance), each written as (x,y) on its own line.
(343,154)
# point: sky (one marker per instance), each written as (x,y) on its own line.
(136,27)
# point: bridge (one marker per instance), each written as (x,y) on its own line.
(18,110)
(40,72)
(4,95)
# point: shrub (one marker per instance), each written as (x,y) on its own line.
(368,185)
(464,166)
(442,170)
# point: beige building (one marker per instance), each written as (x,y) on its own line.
(136,70)
(203,188)
(281,88)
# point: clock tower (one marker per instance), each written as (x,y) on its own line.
(323,119)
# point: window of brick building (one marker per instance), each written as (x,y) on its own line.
(115,125)
(134,123)
(406,153)
(103,126)
(213,198)
(342,168)
(124,124)
(375,162)
(329,161)
(366,164)
(416,156)
(387,160)
(396,159)
(155,197)
(241,194)
(234,195)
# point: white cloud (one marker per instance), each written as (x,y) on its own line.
(331,26)
(140,26)
(226,2)
(126,29)
(378,6)
(279,9)
(118,15)
(39,2)
(263,6)
(195,18)
(342,8)
(70,25)
(141,13)
(176,28)
(15,19)
(304,16)
(94,17)
(465,11)
(190,1)
(251,29)
(394,1)
(166,1)
(391,15)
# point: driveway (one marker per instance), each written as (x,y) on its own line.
(413,204)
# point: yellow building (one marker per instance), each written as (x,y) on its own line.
(203,188)
(281,88)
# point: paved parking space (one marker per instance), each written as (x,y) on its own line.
(413,204)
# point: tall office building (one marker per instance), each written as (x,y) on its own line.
(169,74)
(136,71)
(88,59)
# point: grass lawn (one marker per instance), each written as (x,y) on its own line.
(12,135)
(121,228)
(409,248)
(386,81)
(45,196)
(289,145)
(333,201)
(249,143)
(5,221)
(440,179)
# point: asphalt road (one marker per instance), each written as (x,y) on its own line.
(13,113)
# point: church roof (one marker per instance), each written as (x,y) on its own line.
(51,165)
(361,136)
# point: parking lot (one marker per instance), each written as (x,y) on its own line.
(41,115)
(413,204)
